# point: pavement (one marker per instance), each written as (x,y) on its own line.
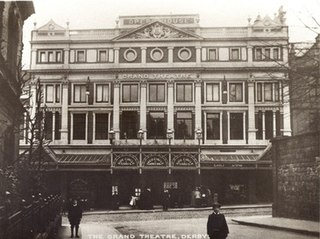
(278,223)
(100,230)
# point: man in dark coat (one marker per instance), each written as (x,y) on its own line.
(74,216)
(217,227)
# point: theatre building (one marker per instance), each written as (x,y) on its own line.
(160,102)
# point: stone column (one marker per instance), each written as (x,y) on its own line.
(274,123)
(53,125)
(143,55)
(170,55)
(64,111)
(33,58)
(198,114)
(198,55)
(116,109)
(170,117)
(66,57)
(251,115)
(143,107)
(263,124)
(116,55)
(286,109)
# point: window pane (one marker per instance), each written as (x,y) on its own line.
(276,93)
(235,94)
(213,126)
(236,126)
(161,93)
(156,125)
(99,92)
(79,93)
(212,92)
(184,125)
(268,92)
(134,93)
(102,56)
(58,94)
(48,126)
(80,56)
(212,54)
(126,93)
(50,56)
(239,92)
(42,57)
(276,54)
(101,126)
(188,93)
(58,56)
(83,93)
(105,93)
(259,92)
(152,93)
(180,93)
(235,54)
(267,53)
(76,93)
(79,126)
(49,93)
(259,54)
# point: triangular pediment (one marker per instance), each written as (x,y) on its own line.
(157,31)
(51,26)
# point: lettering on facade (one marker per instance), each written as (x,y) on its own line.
(168,20)
(158,76)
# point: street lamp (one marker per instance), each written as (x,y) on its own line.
(88,86)
(169,137)
(140,136)
(111,136)
(199,137)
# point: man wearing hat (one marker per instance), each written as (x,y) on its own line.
(217,227)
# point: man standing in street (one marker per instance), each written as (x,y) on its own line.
(74,216)
(217,227)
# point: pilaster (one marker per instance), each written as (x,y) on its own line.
(116,108)
(64,111)
(251,114)
(143,107)
(170,117)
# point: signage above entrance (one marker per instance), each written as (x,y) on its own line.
(164,76)
(184,20)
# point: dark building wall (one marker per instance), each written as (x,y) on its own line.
(296,165)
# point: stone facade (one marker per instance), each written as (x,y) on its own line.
(296,171)
(12,16)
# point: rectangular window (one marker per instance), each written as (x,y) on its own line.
(79,93)
(156,125)
(48,126)
(58,94)
(268,91)
(101,126)
(184,92)
(212,54)
(156,92)
(102,93)
(276,91)
(235,92)
(130,93)
(50,56)
(184,125)
(57,133)
(269,124)
(102,56)
(58,56)
(49,93)
(236,126)
(267,53)
(213,126)
(79,126)
(259,92)
(276,53)
(235,54)
(213,92)
(80,56)
(258,55)
(259,125)
(42,56)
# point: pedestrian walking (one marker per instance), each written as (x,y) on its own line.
(217,227)
(74,216)
(166,200)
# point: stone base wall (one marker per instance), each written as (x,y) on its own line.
(296,171)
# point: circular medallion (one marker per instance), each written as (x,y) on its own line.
(156,54)
(184,54)
(130,55)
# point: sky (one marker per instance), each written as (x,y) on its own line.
(84,14)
